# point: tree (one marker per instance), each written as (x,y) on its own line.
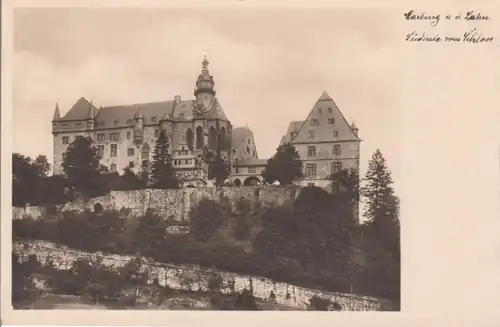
(25,174)
(218,165)
(162,172)
(285,166)
(150,233)
(132,181)
(381,233)
(42,165)
(206,218)
(81,165)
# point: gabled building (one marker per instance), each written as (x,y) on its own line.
(326,142)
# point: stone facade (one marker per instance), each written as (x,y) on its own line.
(171,204)
(190,277)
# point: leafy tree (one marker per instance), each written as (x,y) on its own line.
(135,272)
(162,171)
(26,173)
(150,233)
(285,166)
(43,165)
(218,165)
(81,165)
(133,181)
(206,218)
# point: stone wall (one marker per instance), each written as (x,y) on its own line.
(172,204)
(195,278)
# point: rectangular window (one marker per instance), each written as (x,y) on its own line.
(310,170)
(65,140)
(336,149)
(64,156)
(237,170)
(113,137)
(314,122)
(329,110)
(100,137)
(129,135)
(336,167)
(89,125)
(335,133)
(311,134)
(100,150)
(114,150)
(157,132)
(64,125)
(112,168)
(248,150)
(331,121)
(320,111)
(131,165)
(130,151)
(311,151)
(251,170)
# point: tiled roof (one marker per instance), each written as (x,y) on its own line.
(152,112)
(251,162)
(79,111)
(239,142)
(319,121)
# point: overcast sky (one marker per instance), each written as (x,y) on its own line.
(269,66)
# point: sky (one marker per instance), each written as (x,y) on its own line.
(270,66)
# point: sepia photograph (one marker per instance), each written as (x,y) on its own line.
(205,159)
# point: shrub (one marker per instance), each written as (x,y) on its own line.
(319,304)
(215,283)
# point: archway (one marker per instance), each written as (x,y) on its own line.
(189,138)
(237,182)
(199,137)
(251,181)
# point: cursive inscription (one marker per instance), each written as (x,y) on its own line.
(470,36)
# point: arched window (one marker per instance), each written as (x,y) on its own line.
(189,138)
(223,140)
(199,137)
(212,141)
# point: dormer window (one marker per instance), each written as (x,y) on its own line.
(116,122)
(129,122)
(314,122)
(153,119)
(331,121)
(320,111)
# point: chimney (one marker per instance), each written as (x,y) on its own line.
(177,99)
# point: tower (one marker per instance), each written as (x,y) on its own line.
(205,88)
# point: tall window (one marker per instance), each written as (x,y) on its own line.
(336,149)
(113,136)
(310,170)
(129,135)
(100,137)
(336,167)
(311,151)
(112,168)
(157,132)
(237,170)
(114,150)
(311,135)
(335,133)
(131,165)
(100,150)
(320,111)
(65,139)
(251,170)
(145,153)
(222,138)
(189,138)
(212,141)
(199,137)
(130,151)
(329,110)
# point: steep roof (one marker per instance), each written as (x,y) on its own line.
(319,120)
(152,112)
(79,111)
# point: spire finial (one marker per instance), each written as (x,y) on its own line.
(57,114)
(205,62)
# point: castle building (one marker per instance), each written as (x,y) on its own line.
(125,135)
(326,142)
(247,167)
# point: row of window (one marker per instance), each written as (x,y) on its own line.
(311,168)
(315,121)
(183,162)
(320,110)
(251,170)
(310,134)
(77,125)
(311,150)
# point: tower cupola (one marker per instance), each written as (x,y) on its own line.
(205,86)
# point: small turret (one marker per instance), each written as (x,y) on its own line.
(205,86)
(90,116)
(57,114)
(354,128)
(138,127)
